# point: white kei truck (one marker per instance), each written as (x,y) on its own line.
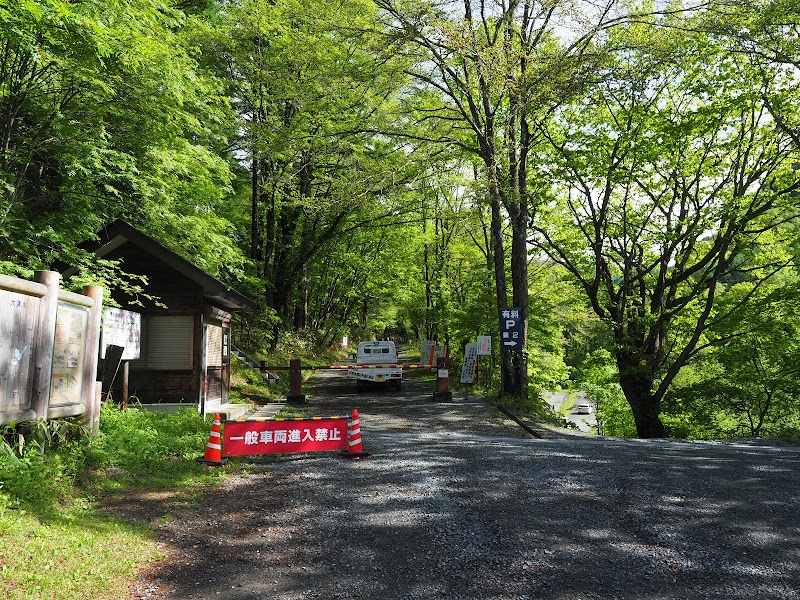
(374,355)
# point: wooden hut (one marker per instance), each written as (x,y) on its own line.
(185,343)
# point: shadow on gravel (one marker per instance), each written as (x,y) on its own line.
(454,504)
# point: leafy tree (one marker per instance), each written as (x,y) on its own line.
(305,89)
(50,59)
(484,74)
(767,33)
(362,282)
(598,377)
(744,381)
(664,179)
(106,115)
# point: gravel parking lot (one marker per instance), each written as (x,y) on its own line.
(457,502)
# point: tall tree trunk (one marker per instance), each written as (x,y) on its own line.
(428,291)
(301,310)
(255,224)
(508,380)
(518,368)
(637,385)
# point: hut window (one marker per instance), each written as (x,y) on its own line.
(169,342)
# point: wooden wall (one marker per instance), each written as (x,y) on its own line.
(176,296)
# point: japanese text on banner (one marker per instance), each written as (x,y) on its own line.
(270,437)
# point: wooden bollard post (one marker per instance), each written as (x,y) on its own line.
(295,395)
(442,393)
(43,343)
(90,396)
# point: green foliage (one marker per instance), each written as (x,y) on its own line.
(108,115)
(657,195)
(532,406)
(248,385)
(49,474)
(43,467)
(140,441)
(307,91)
(304,348)
(597,376)
(39,462)
(32,479)
(744,381)
(74,555)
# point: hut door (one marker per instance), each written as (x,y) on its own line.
(213,364)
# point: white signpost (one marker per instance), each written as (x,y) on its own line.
(484,345)
(470,363)
(122,328)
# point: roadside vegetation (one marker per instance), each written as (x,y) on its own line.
(54,542)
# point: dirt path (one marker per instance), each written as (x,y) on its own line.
(457,503)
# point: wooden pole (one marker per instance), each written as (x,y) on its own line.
(442,393)
(90,397)
(295,395)
(44,342)
(125,372)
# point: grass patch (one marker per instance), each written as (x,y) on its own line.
(247,384)
(77,554)
(568,404)
(55,543)
(292,412)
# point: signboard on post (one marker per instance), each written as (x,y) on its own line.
(429,351)
(484,345)
(470,363)
(122,328)
(511,329)
(282,436)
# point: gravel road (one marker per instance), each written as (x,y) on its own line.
(458,503)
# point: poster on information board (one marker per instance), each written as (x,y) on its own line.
(18,318)
(66,384)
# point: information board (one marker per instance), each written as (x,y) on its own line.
(470,363)
(122,328)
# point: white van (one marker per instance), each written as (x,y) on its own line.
(383,355)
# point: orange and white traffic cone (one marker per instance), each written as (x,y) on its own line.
(213,455)
(355,449)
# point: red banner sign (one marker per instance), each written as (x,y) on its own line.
(283,436)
